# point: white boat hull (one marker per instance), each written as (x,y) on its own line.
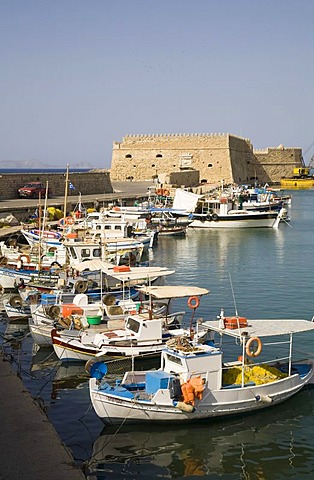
(69,349)
(249,220)
(167,232)
(220,403)
(8,277)
(17,312)
(49,239)
(72,350)
(40,333)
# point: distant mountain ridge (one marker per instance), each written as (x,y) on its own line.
(33,164)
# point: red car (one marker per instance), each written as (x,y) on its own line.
(32,190)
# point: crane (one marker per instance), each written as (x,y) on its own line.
(304,170)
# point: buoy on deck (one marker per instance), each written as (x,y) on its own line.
(185,407)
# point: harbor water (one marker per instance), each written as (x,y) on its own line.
(257,273)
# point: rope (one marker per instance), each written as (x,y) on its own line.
(85,465)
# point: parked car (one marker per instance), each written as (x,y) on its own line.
(32,190)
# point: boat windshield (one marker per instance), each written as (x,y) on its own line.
(133,325)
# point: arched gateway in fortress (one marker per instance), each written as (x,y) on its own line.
(215,156)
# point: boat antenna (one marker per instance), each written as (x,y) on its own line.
(233,296)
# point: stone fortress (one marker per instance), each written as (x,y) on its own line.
(215,157)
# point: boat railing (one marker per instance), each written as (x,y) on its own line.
(244,365)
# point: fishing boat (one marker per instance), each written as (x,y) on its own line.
(49,238)
(74,314)
(15,309)
(141,334)
(167,223)
(197,382)
(117,299)
(221,213)
(16,263)
(9,277)
(221,209)
(172,231)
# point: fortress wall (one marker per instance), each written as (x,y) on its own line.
(85,182)
(215,156)
(242,160)
(277,162)
(188,178)
(144,156)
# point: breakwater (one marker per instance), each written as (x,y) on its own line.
(87,183)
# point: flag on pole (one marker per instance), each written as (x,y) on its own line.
(71,186)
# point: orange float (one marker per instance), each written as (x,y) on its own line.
(24,258)
(235,322)
(193,302)
(250,352)
(69,220)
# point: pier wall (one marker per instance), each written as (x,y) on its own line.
(87,183)
(215,156)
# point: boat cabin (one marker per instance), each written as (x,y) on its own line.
(212,206)
(205,360)
(97,248)
(140,328)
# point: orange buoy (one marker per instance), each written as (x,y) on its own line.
(69,220)
(193,302)
(24,258)
(253,352)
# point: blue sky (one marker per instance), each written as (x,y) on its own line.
(77,75)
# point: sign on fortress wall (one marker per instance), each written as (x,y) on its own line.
(216,156)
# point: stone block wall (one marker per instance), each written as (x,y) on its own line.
(274,163)
(144,156)
(188,178)
(216,156)
(87,183)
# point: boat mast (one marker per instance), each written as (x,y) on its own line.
(39,229)
(42,227)
(66,187)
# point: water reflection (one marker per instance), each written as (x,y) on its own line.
(42,359)
(262,265)
(269,444)
(44,363)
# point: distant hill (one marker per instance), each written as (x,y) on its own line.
(33,164)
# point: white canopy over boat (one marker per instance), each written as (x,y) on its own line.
(173,291)
(263,328)
(134,273)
